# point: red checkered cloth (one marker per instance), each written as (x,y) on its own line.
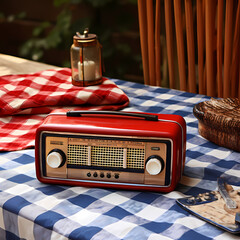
(26,99)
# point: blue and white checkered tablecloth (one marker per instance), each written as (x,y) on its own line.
(32,210)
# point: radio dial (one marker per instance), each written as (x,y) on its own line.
(154,165)
(56,158)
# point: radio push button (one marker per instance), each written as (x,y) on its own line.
(154,165)
(56,158)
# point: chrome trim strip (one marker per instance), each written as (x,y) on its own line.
(108,183)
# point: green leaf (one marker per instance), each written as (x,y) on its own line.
(99,3)
(21,15)
(58,3)
(38,30)
(2,16)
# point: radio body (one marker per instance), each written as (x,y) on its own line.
(134,151)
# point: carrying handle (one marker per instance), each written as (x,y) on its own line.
(147,117)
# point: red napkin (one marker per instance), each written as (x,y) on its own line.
(26,99)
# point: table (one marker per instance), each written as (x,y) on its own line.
(14,65)
(32,210)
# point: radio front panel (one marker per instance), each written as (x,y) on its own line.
(110,159)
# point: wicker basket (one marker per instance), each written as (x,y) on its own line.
(219,121)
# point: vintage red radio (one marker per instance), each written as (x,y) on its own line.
(137,151)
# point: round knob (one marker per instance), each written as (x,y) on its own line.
(56,159)
(154,165)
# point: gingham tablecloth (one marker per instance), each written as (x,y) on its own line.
(32,210)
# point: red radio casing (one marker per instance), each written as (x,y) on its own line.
(133,151)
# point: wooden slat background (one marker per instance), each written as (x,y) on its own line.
(202,38)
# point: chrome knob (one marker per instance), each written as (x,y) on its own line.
(56,158)
(154,165)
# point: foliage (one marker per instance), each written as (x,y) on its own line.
(59,36)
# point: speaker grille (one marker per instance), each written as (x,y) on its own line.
(106,156)
(77,154)
(135,158)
